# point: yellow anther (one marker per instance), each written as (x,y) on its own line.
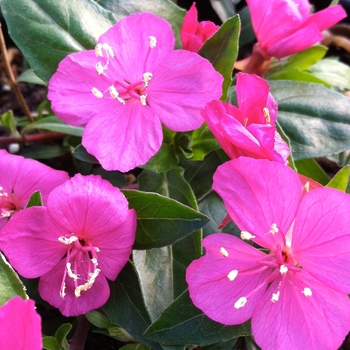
(266,114)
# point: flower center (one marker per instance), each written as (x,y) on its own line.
(279,262)
(81,264)
(123,90)
(7,205)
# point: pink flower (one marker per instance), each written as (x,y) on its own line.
(194,34)
(20,325)
(250,129)
(285,27)
(83,236)
(296,293)
(19,179)
(127,86)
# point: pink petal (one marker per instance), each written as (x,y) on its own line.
(88,206)
(258,193)
(181,86)
(132,133)
(210,288)
(319,321)
(116,246)
(320,238)
(20,325)
(93,298)
(30,242)
(12,164)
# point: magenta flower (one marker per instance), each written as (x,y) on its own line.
(296,293)
(19,179)
(193,34)
(250,129)
(83,236)
(20,325)
(127,86)
(283,28)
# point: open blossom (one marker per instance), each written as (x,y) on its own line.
(296,291)
(193,34)
(132,82)
(20,325)
(250,129)
(19,179)
(285,27)
(83,236)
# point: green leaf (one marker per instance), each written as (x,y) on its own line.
(222,49)
(163,161)
(99,319)
(30,77)
(81,153)
(116,178)
(311,169)
(52,123)
(47,32)
(161,221)
(247,33)
(341,179)
(44,152)
(8,121)
(125,306)
(333,72)
(135,347)
(61,335)
(315,119)
(182,323)
(203,142)
(50,343)
(162,8)
(10,285)
(35,200)
(225,345)
(299,75)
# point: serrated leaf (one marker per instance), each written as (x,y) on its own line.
(52,123)
(182,323)
(315,119)
(35,200)
(341,179)
(222,49)
(10,285)
(81,153)
(161,221)
(47,32)
(162,8)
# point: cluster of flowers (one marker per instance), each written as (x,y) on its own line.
(122,92)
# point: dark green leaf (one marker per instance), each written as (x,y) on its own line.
(222,49)
(341,179)
(44,152)
(81,153)
(135,347)
(52,123)
(30,77)
(203,142)
(10,285)
(50,343)
(161,221)
(182,323)
(315,119)
(247,32)
(99,319)
(162,8)
(300,75)
(116,178)
(47,32)
(163,161)
(225,345)
(35,200)
(61,335)
(311,169)
(125,306)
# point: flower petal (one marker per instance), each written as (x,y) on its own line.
(210,287)
(258,193)
(296,321)
(20,325)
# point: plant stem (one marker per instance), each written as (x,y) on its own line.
(12,80)
(31,138)
(79,338)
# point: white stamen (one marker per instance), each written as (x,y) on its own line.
(112,90)
(275,296)
(84,287)
(307,292)
(143,100)
(267,114)
(224,252)
(240,302)
(99,68)
(63,290)
(283,269)
(98,50)
(232,275)
(66,240)
(97,93)
(108,49)
(5,214)
(94,261)
(97,249)
(147,77)
(245,235)
(307,187)
(71,274)
(274,229)
(153,42)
